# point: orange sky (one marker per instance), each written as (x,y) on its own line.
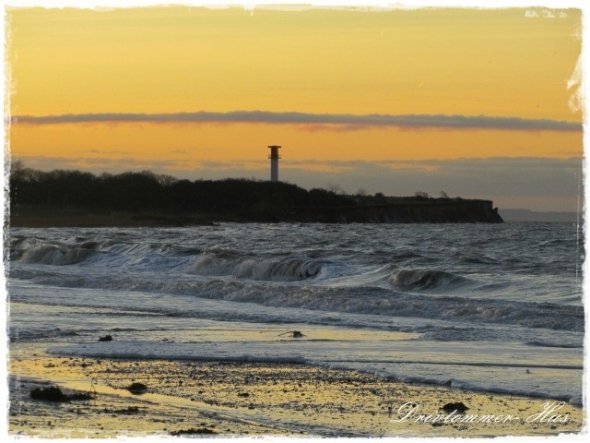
(168,60)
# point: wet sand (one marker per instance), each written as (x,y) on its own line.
(233,399)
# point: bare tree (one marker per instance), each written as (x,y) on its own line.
(336,189)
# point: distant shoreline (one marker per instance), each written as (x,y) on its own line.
(75,198)
(524,215)
(31,219)
(403,214)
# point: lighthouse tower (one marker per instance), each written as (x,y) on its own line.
(274,163)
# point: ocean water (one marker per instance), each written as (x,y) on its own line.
(496,308)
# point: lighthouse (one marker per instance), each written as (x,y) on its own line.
(274,162)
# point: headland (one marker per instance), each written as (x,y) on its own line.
(75,198)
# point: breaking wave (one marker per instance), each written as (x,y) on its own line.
(275,269)
(54,254)
(425,279)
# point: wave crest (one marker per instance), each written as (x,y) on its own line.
(425,279)
(59,255)
(278,269)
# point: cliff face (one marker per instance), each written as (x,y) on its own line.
(427,211)
(430,211)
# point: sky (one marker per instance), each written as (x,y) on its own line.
(478,103)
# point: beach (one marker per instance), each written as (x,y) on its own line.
(246,399)
(283,329)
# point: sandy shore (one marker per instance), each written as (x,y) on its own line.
(222,398)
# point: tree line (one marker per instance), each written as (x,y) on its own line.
(231,199)
(149,192)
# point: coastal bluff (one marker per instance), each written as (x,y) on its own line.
(410,211)
(75,198)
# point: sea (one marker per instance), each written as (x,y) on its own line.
(488,307)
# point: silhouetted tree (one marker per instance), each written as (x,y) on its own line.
(229,199)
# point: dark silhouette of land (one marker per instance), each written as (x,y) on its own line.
(76,198)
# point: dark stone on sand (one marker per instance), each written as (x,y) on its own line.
(456,406)
(52,393)
(193,431)
(106,338)
(243,394)
(137,388)
(293,334)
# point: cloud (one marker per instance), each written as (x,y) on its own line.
(313,121)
